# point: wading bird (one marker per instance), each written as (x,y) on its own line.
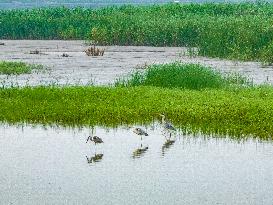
(167,125)
(95,139)
(140,132)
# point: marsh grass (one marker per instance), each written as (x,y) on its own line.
(236,112)
(185,76)
(226,30)
(195,98)
(17,68)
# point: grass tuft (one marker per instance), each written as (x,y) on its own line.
(16,68)
(177,75)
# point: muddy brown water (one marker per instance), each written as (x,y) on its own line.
(53,165)
(117,62)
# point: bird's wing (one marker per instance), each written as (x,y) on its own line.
(169,126)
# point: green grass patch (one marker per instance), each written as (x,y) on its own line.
(186,76)
(236,112)
(16,68)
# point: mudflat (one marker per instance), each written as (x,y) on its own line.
(75,67)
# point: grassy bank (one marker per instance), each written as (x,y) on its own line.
(194,97)
(237,112)
(16,68)
(238,31)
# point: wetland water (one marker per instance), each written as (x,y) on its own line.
(118,61)
(43,165)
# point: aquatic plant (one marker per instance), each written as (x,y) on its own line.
(16,68)
(93,51)
(178,75)
(237,112)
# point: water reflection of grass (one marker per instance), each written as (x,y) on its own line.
(227,111)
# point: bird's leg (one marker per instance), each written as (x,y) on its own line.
(165,135)
(88,160)
(175,136)
(87,139)
(95,149)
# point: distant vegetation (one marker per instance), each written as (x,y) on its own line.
(82,1)
(16,68)
(237,31)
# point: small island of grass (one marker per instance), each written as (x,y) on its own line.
(16,68)
(232,108)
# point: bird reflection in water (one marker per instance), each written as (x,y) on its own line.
(167,145)
(94,159)
(139,152)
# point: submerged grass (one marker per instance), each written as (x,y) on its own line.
(16,68)
(177,75)
(236,112)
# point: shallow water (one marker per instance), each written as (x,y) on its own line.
(43,165)
(117,62)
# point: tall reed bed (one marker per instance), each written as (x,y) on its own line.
(239,31)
